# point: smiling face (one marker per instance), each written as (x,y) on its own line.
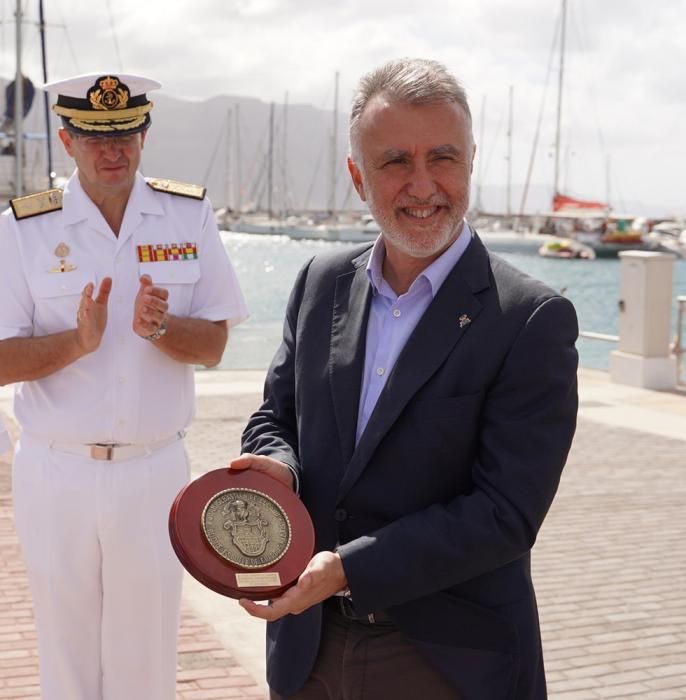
(107,165)
(412,165)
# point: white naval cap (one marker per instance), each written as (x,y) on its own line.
(102,104)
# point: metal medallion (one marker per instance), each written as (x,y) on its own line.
(246,527)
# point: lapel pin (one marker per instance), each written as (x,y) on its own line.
(464,320)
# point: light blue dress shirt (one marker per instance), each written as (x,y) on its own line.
(392,318)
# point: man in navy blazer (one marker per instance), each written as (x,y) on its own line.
(423,402)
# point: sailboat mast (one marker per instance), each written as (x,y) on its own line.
(563,31)
(334,144)
(284,157)
(18,111)
(227,165)
(509,156)
(239,184)
(480,160)
(46,104)
(270,162)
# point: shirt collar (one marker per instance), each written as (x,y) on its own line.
(434,274)
(77,205)
(143,198)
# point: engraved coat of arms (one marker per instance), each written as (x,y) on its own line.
(249,530)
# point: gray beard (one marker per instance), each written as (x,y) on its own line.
(433,242)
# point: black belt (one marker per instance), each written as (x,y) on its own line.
(344,606)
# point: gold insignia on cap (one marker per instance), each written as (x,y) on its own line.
(175,187)
(109,94)
(114,125)
(36,204)
(105,104)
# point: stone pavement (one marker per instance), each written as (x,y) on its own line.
(609,564)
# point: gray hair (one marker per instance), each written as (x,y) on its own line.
(416,81)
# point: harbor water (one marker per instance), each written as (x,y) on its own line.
(267,267)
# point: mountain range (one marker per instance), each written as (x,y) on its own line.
(223,143)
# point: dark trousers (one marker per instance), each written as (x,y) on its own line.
(359,661)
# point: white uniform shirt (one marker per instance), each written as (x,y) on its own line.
(127,391)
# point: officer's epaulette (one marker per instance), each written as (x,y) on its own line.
(36,204)
(184,189)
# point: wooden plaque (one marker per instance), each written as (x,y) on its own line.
(241,533)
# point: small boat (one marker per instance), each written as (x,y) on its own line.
(566,248)
(630,238)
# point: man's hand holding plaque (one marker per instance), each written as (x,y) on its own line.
(242,531)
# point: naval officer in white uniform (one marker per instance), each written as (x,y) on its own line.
(111,292)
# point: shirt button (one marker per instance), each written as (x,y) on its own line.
(396,313)
(380,371)
(341,515)
(121,379)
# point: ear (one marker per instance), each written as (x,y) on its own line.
(67,140)
(143,135)
(356,176)
(471,166)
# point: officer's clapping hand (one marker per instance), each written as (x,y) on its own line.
(150,307)
(91,317)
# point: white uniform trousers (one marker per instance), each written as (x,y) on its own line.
(105,582)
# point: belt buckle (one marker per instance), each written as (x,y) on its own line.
(102,452)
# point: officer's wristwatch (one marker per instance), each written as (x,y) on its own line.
(161,330)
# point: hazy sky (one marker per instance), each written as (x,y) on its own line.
(624,101)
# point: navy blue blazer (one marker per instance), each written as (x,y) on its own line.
(437,507)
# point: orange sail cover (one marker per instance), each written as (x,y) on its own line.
(564,203)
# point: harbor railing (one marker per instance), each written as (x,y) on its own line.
(599,336)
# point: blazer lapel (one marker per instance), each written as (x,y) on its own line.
(352,298)
(447,320)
